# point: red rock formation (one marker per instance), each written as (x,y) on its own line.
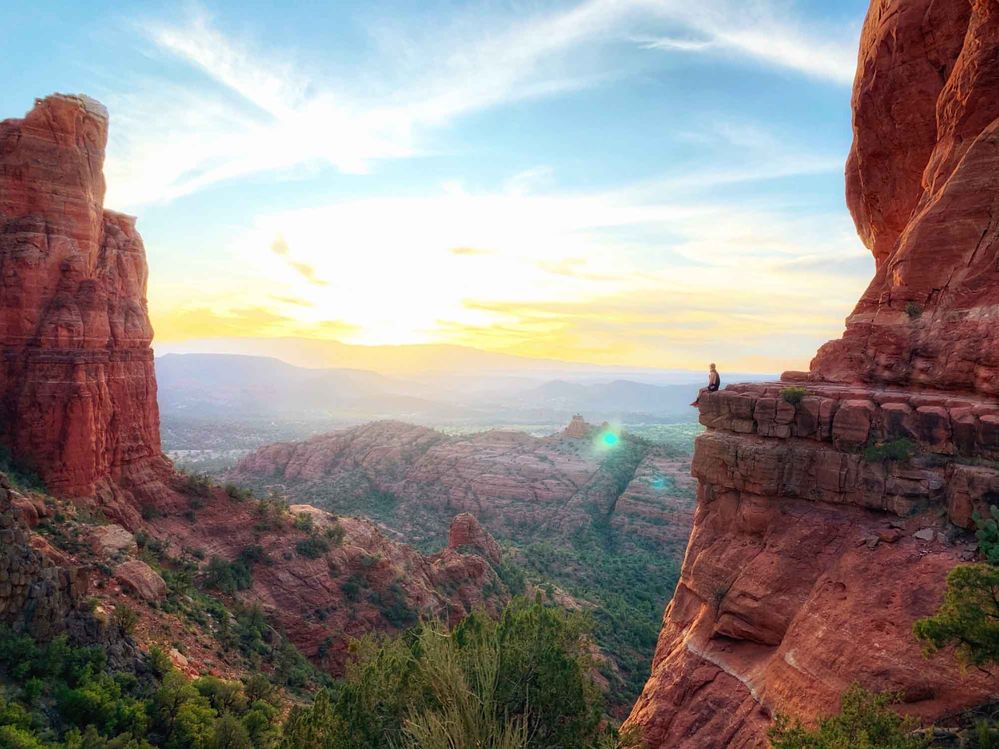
(923,187)
(508,480)
(813,551)
(78,404)
(77,388)
(466,533)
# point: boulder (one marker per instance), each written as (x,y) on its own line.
(140,579)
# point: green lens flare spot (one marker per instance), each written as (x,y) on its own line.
(610,439)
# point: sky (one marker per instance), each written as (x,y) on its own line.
(654,183)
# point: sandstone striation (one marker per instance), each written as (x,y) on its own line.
(923,187)
(77,387)
(831,506)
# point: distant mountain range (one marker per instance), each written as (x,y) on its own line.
(420,360)
(238,386)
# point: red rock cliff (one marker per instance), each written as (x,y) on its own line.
(809,560)
(923,187)
(77,386)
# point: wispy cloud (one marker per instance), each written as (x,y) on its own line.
(761,30)
(280,248)
(258,110)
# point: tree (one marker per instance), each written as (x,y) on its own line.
(521,681)
(864,722)
(968,617)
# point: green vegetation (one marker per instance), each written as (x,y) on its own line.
(228,577)
(516,683)
(64,697)
(793,395)
(913,310)
(865,721)
(988,534)
(312,547)
(968,617)
(20,476)
(899,450)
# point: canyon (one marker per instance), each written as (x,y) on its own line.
(598,517)
(831,505)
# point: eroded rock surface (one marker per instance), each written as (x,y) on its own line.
(923,187)
(77,388)
(831,506)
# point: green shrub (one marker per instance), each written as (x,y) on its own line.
(228,576)
(304,522)
(124,617)
(899,450)
(988,535)
(968,617)
(196,484)
(20,475)
(793,395)
(312,547)
(864,722)
(520,682)
(913,310)
(237,492)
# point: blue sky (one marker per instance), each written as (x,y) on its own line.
(621,181)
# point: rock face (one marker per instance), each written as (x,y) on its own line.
(77,387)
(465,532)
(829,514)
(36,596)
(923,187)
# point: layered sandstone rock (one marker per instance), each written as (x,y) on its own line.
(831,506)
(466,532)
(77,388)
(511,482)
(923,187)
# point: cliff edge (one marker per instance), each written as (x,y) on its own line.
(832,505)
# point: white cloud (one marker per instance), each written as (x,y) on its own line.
(259,111)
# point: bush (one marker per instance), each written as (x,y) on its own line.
(523,681)
(237,492)
(312,547)
(228,576)
(304,522)
(988,535)
(913,310)
(968,616)
(197,484)
(864,722)
(793,395)
(124,617)
(20,476)
(899,450)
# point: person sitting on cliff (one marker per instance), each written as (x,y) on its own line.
(714,382)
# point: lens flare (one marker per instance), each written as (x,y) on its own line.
(610,439)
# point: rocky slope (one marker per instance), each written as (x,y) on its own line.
(517,485)
(78,406)
(829,515)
